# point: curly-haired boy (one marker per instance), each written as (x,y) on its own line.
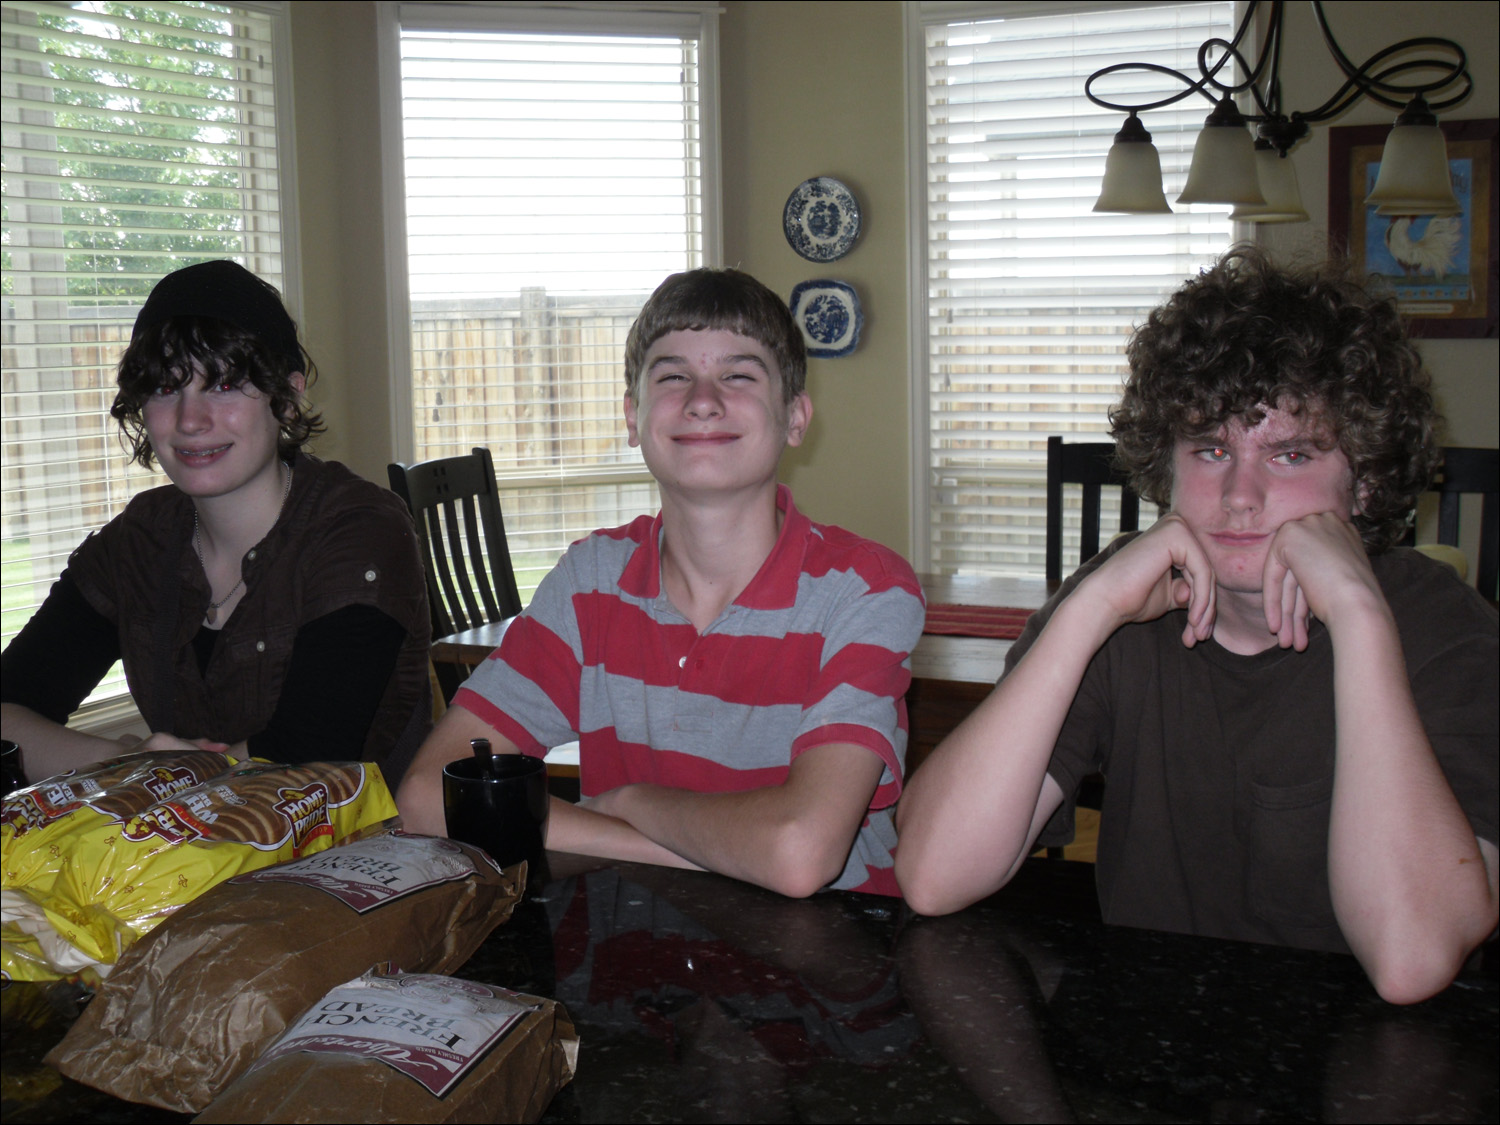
(1296,722)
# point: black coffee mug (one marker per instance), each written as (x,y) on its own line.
(500,806)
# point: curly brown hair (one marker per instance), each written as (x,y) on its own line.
(172,352)
(709,300)
(1247,336)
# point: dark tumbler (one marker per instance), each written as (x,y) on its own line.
(500,806)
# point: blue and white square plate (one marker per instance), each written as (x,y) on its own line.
(829,314)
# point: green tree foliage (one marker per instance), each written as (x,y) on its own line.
(150,112)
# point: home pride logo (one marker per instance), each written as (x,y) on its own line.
(307,812)
(164,783)
(166,821)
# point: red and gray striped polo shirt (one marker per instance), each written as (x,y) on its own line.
(816,650)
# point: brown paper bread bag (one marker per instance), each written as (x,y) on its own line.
(394,1047)
(198,999)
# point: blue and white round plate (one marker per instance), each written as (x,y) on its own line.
(830,317)
(821,219)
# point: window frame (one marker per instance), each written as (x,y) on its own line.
(670,17)
(917,16)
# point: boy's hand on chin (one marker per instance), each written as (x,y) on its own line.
(1316,566)
(1164,569)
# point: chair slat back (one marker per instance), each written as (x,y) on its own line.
(470,578)
(1469,470)
(1091,465)
(477,556)
(462,604)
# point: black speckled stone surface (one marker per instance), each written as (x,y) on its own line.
(701,999)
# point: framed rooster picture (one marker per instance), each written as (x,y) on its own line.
(1442,267)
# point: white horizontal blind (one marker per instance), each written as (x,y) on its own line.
(1030,295)
(138,138)
(552,181)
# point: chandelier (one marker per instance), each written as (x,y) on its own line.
(1256,175)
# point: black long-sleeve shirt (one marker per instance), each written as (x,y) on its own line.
(339,667)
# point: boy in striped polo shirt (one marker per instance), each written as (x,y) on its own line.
(734,673)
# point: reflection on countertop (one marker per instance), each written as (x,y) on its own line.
(699,998)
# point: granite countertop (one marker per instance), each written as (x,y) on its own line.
(699,998)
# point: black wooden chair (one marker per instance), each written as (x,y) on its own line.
(1470,470)
(1090,464)
(470,580)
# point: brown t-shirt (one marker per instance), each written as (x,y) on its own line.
(339,541)
(1219,768)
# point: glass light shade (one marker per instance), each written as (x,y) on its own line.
(1394,207)
(1223,168)
(1278,183)
(1132,180)
(1414,177)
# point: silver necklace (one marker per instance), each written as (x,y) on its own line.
(213,607)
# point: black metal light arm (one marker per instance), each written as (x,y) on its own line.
(1374,86)
(1282,129)
(1193,86)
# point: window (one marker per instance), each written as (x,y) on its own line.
(138,138)
(554,174)
(1028,296)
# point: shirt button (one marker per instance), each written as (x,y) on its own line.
(682,662)
(251,555)
(260,646)
(370,576)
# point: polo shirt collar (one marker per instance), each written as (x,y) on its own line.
(774,585)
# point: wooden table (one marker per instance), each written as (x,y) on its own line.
(986,590)
(950,674)
(472,645)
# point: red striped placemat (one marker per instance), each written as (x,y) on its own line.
(999,622)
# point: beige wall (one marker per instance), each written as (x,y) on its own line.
(342,225)
(808,89)
(815,89)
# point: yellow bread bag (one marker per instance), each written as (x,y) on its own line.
(108,879)
(34,817)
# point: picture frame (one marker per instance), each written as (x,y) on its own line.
(1443,271)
